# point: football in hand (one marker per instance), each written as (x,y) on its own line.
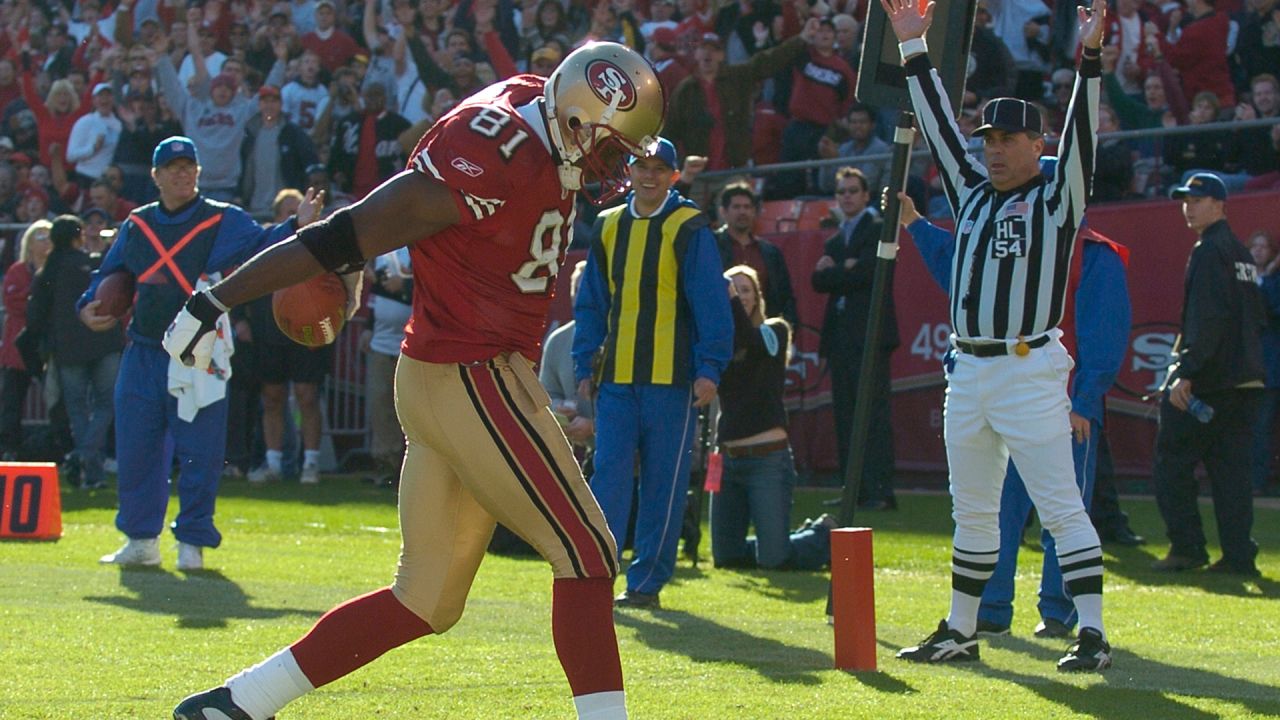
(312,313)
(115,292)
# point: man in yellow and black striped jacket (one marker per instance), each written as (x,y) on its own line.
(654,307)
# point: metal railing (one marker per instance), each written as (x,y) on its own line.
(755,170)
(344,410)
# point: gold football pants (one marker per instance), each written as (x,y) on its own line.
(483,446)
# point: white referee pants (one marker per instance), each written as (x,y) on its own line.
(1010,405)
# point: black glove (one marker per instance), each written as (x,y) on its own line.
(189,338)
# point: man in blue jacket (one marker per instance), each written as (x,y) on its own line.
(654,332)
(168,246)
(1101,325)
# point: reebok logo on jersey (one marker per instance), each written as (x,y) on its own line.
(464,165)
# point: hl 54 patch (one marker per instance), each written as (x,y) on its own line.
(1009,238)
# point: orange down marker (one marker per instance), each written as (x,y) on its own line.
(32,503)
(853,598)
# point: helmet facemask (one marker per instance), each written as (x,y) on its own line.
(598,118)
(604,162)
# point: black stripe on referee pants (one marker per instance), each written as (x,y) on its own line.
(975,566)
(1093,562)
(1096,550)
(1088,585)
(601,544)
(967,585)
(517,471)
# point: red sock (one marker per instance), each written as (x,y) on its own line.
(582,625)
(354,634)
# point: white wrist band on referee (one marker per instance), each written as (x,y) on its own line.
(914,46)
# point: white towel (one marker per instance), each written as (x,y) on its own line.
(200,388)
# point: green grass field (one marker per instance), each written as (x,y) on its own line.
(83,641)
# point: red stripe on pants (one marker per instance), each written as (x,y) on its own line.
(534,465)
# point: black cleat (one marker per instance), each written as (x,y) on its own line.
(215,704)
(1089,653)
(944,645)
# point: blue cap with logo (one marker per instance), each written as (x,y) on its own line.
(172,148)
(1201,185)
(661,149)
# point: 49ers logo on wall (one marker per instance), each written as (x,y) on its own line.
(608,80)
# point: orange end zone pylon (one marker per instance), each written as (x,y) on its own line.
(32,503)
(853,598)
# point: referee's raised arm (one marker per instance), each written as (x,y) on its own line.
(959,172)
(1069,189)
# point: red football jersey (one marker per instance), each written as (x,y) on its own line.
(483,286)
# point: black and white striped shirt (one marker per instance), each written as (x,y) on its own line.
(1013,248)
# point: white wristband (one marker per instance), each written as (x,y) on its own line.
(216,302)
(914,46)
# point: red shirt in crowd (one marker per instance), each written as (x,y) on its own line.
(17,286)
(821,88)
(334,51)
(1200,56)
(54,128)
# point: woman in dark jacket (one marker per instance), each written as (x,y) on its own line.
(759,473)
(85,361)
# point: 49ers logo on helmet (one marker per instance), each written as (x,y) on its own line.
(607,80)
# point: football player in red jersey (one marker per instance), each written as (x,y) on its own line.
(487,207)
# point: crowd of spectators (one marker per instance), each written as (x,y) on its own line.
(87,88)
(334,94)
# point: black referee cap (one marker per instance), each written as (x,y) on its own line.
(1010,115)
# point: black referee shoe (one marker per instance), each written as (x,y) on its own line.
(1089,653)
(944,645)
(215,704)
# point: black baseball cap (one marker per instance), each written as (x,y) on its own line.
(1201,184)
(1010,115)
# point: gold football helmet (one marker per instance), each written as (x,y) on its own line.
(604,102)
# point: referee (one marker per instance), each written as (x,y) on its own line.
(1007,375)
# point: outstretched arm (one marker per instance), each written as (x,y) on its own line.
(960,173)
(1069,190)
(369,228)
(408,200)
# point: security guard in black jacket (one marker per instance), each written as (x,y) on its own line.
(1218,357)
